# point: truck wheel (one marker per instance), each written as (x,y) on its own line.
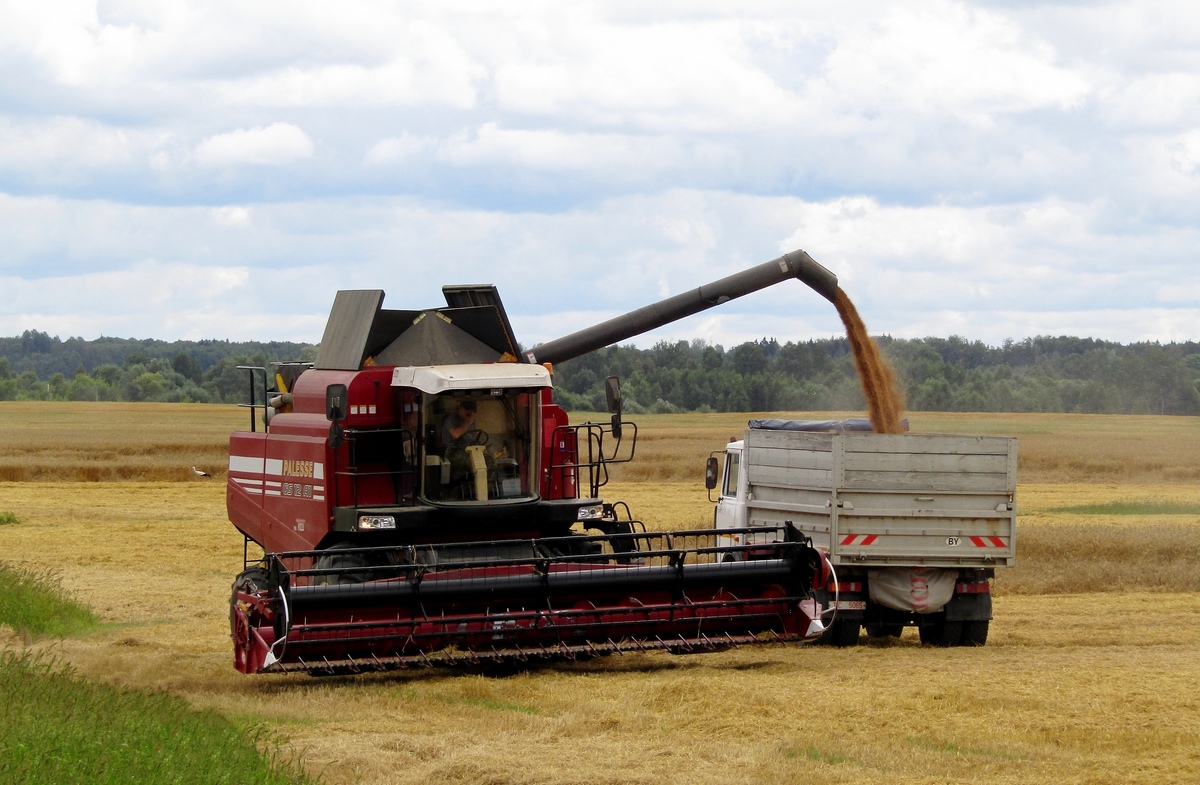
(939,632)
(974,633)
(842,633)
(881,630)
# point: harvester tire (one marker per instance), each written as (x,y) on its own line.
(249,581)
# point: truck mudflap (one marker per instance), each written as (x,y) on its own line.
(360,609)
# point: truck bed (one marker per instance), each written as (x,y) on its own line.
(888,500)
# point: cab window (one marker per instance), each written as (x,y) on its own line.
(732,467)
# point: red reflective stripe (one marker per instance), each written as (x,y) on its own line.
(849,539)
(870,539)
(978,542)
(999,543)
(974,587)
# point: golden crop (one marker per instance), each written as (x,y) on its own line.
(1089,674)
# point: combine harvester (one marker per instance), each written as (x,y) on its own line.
(420,499)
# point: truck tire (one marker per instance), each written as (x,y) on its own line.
(939,632)
(843,633)
(882,630)
(975,632)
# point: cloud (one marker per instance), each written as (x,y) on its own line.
(273,145)
(557,151)
(66,142)
(985,272)
(186,298)
(949,59)
(961,166)
(397,149)
(659,77)
(231,216)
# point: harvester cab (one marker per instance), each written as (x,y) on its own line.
(420,498)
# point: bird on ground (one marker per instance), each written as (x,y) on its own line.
(199,473)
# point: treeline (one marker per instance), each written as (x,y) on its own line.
(1043,374)
(36,366)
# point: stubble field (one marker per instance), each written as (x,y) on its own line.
(1089,675)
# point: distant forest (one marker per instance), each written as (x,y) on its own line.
(1043,374)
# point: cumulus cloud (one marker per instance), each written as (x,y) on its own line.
(397,149)
(231,215)
(950,59)
(28,144)
(963,167)
(273,145)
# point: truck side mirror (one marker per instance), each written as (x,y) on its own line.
(711,472)
(335,411)
(612,392)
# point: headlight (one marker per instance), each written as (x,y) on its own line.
(592,512)
(372,522)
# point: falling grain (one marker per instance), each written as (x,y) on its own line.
(884,402)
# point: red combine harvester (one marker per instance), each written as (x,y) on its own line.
(420,499)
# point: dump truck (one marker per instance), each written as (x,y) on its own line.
(416,497)
(914,525)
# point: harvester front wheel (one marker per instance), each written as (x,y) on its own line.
(241,619)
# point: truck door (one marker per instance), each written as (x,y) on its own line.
(730,512)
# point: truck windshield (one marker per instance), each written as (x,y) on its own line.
(478,446)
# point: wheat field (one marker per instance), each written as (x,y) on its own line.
(1089,674)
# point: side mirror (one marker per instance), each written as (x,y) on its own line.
(712,471)
(335,411)
(612,392)
(335,402)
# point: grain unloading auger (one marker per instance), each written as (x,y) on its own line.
(420,499)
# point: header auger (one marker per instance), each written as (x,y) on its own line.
(420,499)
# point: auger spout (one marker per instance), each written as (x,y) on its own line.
(797,264)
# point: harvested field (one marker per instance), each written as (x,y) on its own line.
(1089,673)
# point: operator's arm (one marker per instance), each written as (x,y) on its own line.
(456,426)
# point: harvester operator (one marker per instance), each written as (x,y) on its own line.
(459,426)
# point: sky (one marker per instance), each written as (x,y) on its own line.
(997,170)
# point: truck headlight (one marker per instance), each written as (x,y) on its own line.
(591,512)
(373,522)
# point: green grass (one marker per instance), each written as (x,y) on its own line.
(33,604)
(57,728)
(1133,508)
(7,518)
